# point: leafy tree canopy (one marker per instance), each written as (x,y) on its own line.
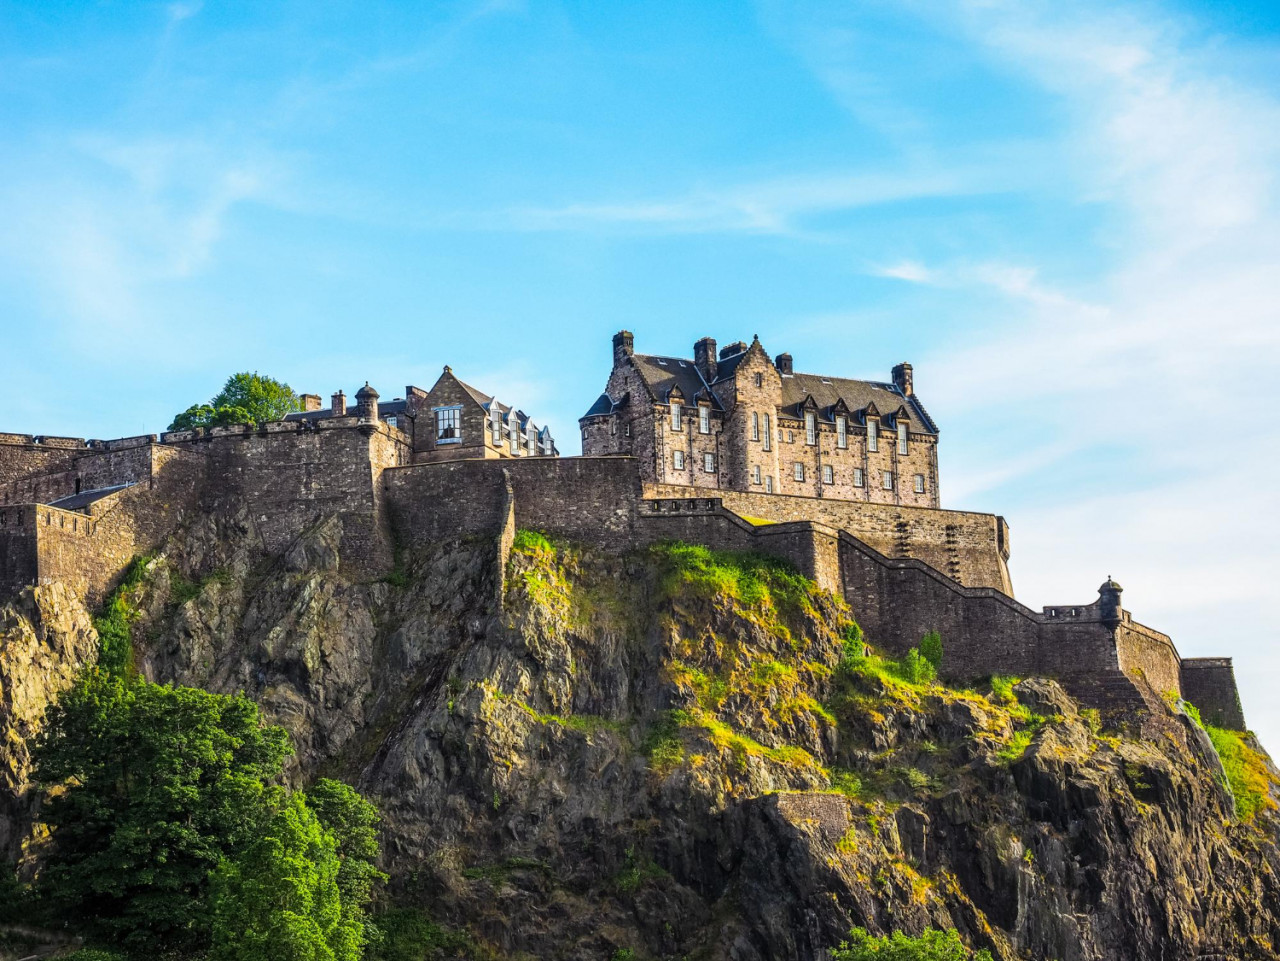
(157,785)
(245,399)
(280,900)
(353,823)
(930,946)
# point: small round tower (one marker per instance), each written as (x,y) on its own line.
(1109,602)
(367,404)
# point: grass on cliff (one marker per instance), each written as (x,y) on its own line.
(756,580)
(115,619)
(1246,769)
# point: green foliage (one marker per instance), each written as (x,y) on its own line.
(158,783)
(916,669)
(532,542)
(854,645)
(931,649)
(95,954)
(844,782)
(1016,747)
(933,945)
(113,622)
(623,954)
(280,900)
(662,743)
(353,823)
(1002,689)
(1246,771)
(757,580)
(408,934)
(244,399)
(635,872)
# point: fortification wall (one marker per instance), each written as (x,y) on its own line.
(93,469)
(1210,684)
(1151,654)
(292,474)
(22,456)
(18,566)
(970,548)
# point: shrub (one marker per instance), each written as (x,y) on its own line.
(114,622)
(916,669)
(1002,689)
(408,934)
(931,649)
(931,946)
(754,579)
(1246,771)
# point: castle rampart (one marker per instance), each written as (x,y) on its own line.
(970,548)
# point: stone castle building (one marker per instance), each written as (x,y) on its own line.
(729,449)
(742,422)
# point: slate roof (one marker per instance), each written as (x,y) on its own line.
(664,373)
(479,396)
(857,394)
(85,498)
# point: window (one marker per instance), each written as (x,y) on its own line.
(810,427)
(755,425)
(842,432)
(919,483)
(677,460)
(798,470)
(704,419)
(495,425)
(709,463)
(791,437)
(448,430)
(755,474)
(768,484)
(768,433)
(902,437)
(828,475)
(873,434)
(626,430)
(677,416)
(858,480)
(515,440)
(392,422)
(887,477)
(759,380)
(613,426)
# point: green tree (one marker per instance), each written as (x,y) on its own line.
(244,399)
(931,649)
(353,823)
(280,900)
(930,946)
(916,669)
(157,785)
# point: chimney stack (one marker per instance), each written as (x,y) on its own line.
(623,347)
(338,404)
(783,363)
(310,402)
(704,358)
(902,378)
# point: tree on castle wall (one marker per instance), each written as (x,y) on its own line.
(244,399)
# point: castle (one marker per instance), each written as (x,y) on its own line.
(728,449)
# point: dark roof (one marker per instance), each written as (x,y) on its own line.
(603,405)
(85,498)
(857,394)
(664,373)
(727,365)
(385,409)
(480,397)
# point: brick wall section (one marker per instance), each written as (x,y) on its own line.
(970,548)
(1210,684)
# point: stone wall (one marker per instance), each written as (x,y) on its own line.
(22,456)
(90,469)
(1210,684)
(1150,653)
(972,549)
(18,567)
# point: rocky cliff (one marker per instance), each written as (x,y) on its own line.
(675,754)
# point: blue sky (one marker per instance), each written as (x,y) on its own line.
(1064,215)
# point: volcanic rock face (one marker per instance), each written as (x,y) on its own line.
(580,753)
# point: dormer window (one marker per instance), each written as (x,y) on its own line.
(704,419)
(902,437)
(495,426)
(873,434)
(810,427)
(842,432)
(677,415)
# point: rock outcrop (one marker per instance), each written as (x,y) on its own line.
(662,753)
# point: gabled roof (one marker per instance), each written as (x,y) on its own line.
(479,396)
(857,394)
(661,374)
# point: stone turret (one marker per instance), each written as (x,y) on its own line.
(1109,603)
(367,403)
